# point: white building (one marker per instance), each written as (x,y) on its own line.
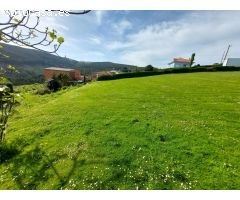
(180,62)
(232,62)
(115,71)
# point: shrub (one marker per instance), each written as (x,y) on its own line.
(149,68)
(63,79)
(7,101)
(53,85)
(207,68)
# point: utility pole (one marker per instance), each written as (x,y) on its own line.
(227,52)
(222,58)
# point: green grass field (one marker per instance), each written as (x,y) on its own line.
(179,131)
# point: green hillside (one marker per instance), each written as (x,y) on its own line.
(178,131)
(30,64)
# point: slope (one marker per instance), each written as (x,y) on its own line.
(163,132)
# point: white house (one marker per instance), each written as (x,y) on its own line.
(115,71)
(180,62)
(232,62)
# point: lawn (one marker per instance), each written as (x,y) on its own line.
(176,131)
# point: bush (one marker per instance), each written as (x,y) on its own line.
(149,68)
(63,79)
(208,68)
(127,75)
(53,85)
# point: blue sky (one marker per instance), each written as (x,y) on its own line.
(148,37)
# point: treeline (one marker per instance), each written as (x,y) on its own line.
(208,68)
(24,77)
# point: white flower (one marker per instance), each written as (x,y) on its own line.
(3,88)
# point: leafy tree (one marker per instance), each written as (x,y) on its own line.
(63,79)
(7,100)
(192,59)
(18,29)
(149,68)
(58,82)
(54,85)
(125,69)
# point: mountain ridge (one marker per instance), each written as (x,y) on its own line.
(30,64)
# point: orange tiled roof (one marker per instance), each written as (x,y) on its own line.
(181,60)
(103,73)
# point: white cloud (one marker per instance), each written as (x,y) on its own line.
(95,40)
(122,26)
(117,45)
(205,33)
(54,23)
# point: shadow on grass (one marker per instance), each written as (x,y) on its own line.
(7,152)
(32,169)
(63,180)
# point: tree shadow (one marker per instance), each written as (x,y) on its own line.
(63,180)
(28,170)
(33,168)
(7,152)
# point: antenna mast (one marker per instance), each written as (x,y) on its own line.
(222,58)
(227,52)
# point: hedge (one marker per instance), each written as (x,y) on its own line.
(210,68)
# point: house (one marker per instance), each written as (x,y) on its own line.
(180,62)
(55,71)
(232,62)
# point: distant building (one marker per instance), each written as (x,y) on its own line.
(232,62)
(55,71)
(101,73)
(115,71)
(180,62)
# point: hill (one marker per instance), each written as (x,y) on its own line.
(178,131)
(30,63)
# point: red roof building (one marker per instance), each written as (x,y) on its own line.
(55,71)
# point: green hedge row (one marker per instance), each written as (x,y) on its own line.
(210,68)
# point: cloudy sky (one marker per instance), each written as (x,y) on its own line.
(148,37)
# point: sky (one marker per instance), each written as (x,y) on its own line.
(148,37)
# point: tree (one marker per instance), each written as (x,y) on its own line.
(23,29)
(125,69)
(54,85)
(149,68)
(7,100)
(192,59)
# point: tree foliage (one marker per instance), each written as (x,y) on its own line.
(149,68)
(192,59)
(25,30)
(7,100)
(57,82)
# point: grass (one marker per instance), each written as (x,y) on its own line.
(29,88)
(178,131)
